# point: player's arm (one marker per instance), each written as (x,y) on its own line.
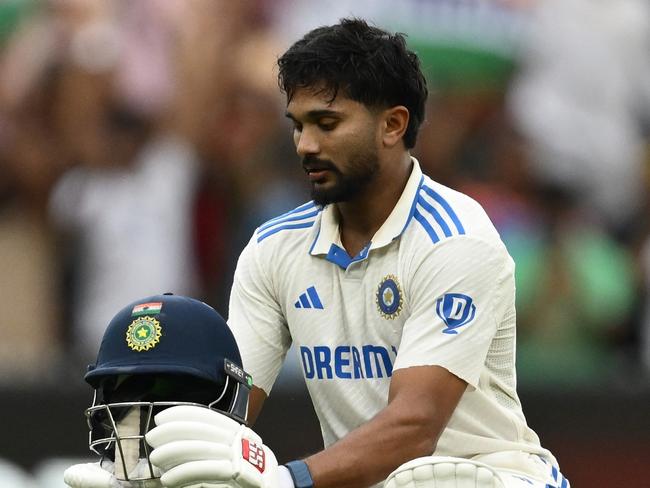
(255,403)
(194,445)
(257,321)
(421,401)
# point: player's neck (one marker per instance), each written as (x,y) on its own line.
(361,218)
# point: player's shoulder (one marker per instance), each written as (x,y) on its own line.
(441,213)
(294,225)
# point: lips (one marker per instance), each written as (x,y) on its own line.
(317,169)
(310,170)
(317,166)
(316,174)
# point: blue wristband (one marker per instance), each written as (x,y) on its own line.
(300,474)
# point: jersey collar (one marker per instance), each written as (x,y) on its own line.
(328,241)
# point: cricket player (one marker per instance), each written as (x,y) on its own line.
(396,291)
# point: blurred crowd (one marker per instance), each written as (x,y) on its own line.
(142,141)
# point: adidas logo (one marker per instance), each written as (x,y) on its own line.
(310,299)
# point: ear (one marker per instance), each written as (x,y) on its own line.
(395,122)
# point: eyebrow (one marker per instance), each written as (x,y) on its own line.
(315,114)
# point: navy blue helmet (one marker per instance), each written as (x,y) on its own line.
(157,352)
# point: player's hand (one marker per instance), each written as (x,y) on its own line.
(96,475)
(197,447)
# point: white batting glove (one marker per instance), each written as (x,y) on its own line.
(438,471)
(197,447)
(90,475)
(96,475)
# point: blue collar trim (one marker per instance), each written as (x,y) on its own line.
(341,258)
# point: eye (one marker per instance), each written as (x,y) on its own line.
(327,124)
(297,127)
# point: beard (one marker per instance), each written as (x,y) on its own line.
(361,171)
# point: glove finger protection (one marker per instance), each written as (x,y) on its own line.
(92,475)
(443,472)
(191,413)
(188,430)
(199,447)
(166,456)
(89,475)
(101,475)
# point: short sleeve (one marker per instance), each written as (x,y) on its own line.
(457,297)
(257,321)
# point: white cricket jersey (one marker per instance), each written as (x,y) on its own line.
(435,286)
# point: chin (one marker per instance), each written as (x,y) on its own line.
(338,190)
(326,196)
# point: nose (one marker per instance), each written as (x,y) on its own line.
(306,142)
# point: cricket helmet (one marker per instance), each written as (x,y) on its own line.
(157,352)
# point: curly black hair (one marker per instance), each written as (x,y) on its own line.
(367,64)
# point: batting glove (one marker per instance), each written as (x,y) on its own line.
(434,471)
(100,475)
(197,447)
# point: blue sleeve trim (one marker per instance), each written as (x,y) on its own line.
(304,206)
(436,215)
(290,218)
(303,225)
(450,211)
(427,227)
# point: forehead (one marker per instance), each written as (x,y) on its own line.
(310,100)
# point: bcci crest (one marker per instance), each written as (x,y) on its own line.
(143,334)
(389,297)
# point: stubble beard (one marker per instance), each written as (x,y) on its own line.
(363,169)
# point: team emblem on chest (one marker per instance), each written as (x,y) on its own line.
(389,297)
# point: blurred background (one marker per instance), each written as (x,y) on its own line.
(142,141)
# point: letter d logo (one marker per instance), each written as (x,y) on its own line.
(455,310)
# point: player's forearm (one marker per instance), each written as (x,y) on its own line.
(368,454)
(255,402)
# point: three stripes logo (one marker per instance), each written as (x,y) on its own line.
(309,299)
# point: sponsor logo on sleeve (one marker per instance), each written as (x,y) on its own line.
(455,310)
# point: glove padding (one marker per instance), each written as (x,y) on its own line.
(438,472)
(89,475)
(197,447)
(100,475)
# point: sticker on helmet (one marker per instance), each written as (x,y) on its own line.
(143,334)
(238,373)
(151,308)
